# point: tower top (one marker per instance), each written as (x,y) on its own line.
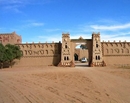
(96,34)
(65,35)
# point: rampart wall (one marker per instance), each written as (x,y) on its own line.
(116,53)
(37,54)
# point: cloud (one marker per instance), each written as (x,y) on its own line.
(115,36)
(110,28)
(24,2)
(49,38)
(36,24)
(15,5)
(31,23)
(14,8)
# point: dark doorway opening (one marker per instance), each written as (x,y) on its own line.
(75,57)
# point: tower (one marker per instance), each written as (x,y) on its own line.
(97,58)
(66,59)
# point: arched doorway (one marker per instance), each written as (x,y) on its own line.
(76,57)
(81,55)
(82,50)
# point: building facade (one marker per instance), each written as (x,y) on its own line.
(11,38)
(65,53)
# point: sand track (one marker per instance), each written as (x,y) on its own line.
(64,85)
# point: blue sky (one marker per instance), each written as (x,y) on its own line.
(46,20)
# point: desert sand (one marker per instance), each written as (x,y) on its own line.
(64,85)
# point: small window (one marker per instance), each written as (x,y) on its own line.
(65,46)
(67,58)
(98,57)
(96,45)
(64,58)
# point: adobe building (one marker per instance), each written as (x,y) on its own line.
(11,38)
(65,53)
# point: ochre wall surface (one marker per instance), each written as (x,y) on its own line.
(37,54)
(116,53)
(117,60)
(38,61)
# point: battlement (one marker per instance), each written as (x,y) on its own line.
(66,35)
(115,41)
(95,34)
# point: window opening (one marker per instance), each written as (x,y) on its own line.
(64,58)
(67,58)
(98,57)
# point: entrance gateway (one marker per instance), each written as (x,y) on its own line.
(68,53)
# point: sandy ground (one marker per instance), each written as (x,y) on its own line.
(64,85)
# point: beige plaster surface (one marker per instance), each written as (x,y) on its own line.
(48,84)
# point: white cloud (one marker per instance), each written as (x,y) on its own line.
(36,24)
(112,27)
(49,38)
(120,36)
(15,5)
(14,8)
(108,30)
(24,2)
(31,23)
